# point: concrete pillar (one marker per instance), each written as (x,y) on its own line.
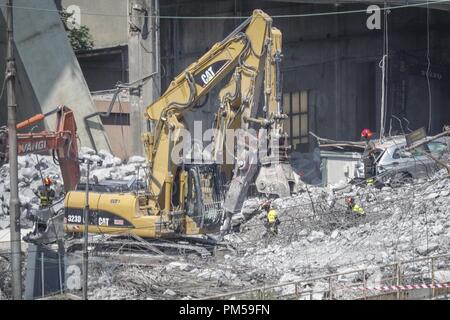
(337,77)
(51,68)
(143,60)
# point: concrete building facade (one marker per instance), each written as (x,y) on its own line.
(48,73)
(106,19)
(107,63)
(331,74)
(124,51)
(331,68)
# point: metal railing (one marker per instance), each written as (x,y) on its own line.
(353,284)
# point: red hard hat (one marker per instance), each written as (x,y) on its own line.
(47,181)
(266,204)
(366,133)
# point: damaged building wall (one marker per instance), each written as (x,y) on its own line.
(24,93)
(104,68)
(336,58)
(106,20)
(48,72)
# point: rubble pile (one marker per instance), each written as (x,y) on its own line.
(5,277)
(186,278)
(32,168)
(317,234)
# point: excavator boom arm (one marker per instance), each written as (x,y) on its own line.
(243,47)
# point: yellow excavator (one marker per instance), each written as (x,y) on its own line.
(189,198)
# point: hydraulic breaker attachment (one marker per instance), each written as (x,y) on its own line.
(276,179)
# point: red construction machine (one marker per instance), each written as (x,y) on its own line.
(62,143)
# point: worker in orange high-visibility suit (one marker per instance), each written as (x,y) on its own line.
(368,157)
(46,193)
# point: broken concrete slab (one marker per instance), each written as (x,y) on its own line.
(427,249)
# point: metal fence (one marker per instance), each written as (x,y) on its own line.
(421,278)
(411,279)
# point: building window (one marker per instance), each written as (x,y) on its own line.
(296,125)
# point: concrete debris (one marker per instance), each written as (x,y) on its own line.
(444,193)
(179,265)
(4,223)
(174,280)
(318,290)
(136,159)
(86,151)
(442,276)
(315,236)
(438,229)
(433,195)
(209,274)
(334,234)
(169,292)
(285,278)
(427,249)
(318,235)
(33,167)
(5,278)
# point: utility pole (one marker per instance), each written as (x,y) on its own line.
(86,233)
(14,212)
(143,61)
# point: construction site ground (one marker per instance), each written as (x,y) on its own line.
(317,237)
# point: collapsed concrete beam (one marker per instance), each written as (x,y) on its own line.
(51,67)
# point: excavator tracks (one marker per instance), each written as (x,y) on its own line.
(135,245)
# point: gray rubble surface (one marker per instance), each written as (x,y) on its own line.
(317,236)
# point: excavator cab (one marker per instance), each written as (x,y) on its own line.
(205,194)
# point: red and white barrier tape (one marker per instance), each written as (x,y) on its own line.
(408,287)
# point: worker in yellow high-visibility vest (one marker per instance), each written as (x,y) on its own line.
(354,207)
(272,221)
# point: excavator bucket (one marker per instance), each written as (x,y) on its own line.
(48,228)
(275,176)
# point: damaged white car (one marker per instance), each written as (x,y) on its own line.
(395,166)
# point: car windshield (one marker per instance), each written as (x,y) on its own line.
(437,148)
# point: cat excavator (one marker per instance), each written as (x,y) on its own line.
(188,197)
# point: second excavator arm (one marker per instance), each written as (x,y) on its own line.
(243,49)
(265,149)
